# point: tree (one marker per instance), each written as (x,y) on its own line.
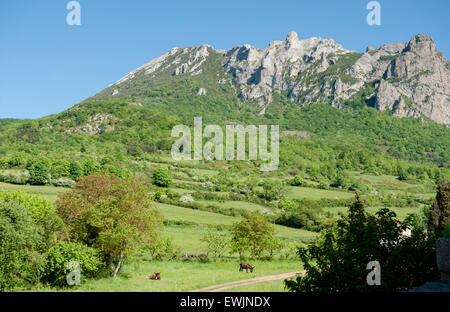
(440,210)
(39,173)
(110,214)
(162,177)
(216,244)
(75,170)
(252,233)
(337,260)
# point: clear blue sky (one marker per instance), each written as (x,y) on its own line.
(47,66)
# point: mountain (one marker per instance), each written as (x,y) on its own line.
(337,110)
(410,79)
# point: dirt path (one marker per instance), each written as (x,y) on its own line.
(259,279)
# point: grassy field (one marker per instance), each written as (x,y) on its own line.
(181,276)
(401,212)
(297,192)
(230,204)
(186,227)
(47,192)
(206,218)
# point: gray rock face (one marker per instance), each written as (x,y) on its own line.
(420,76)
(412,79)
(260,72)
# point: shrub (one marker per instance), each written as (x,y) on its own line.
(162,177)
(20,178)
(297,181)
(216,244)
(60,255)
(273,190)
(162,249)
(41,211)
(21,245)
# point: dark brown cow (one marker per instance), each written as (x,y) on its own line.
(155,276)
(245,266)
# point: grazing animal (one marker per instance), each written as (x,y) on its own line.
(155,276)
(202,255)
(245,266)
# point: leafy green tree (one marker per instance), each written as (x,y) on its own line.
(115,216)
(21,247)
(60,168)
(252,233)
(337,260)
(39,173)
(162,177)
(216,244)
(440,210)
(75,170)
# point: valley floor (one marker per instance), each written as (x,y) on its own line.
(186,226)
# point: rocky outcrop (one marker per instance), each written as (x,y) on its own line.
(412,79)
(421,77)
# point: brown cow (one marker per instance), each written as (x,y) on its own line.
(155,276)
(245,266)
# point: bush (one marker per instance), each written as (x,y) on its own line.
(297,181)
(163,249)
(273,190)
(21,245)
(20,178)
(162,177)
(60,255)
(41,211)
(306,215)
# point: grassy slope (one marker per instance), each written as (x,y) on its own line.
(179,276)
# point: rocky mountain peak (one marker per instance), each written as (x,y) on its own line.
(422,44)
(292,37)
(412,78)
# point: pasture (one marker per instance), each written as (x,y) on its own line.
(186,226)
